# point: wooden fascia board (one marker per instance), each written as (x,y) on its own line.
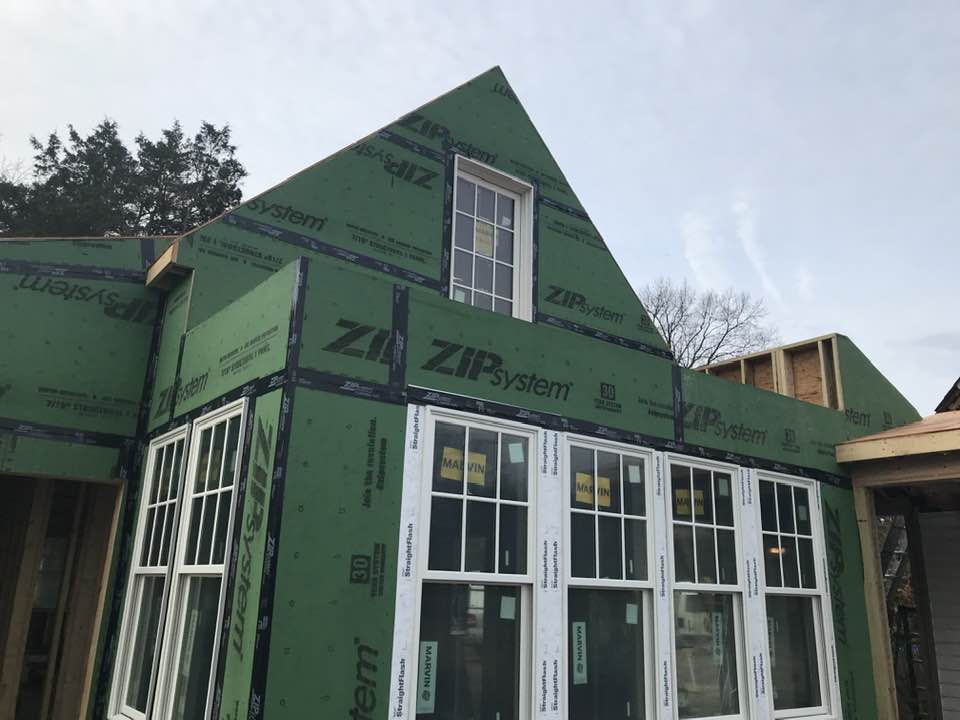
(899,446)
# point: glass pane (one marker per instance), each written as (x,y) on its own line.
(723,498)
(483,238)
(484,275)
(634,500)
(768,509)
(503,280)
(463,232)
(513,539)
(466,195)
(482,300)
(230,464)
(485,203)
(163,492)
(702,496)
(216,457)
(683,552)
(445,523)
(448,445)
(514,453)
(144,642)
(793,652)
(727,557)
(771,560)
(606,653)
(469,664)
(168,534)
(608,482)
(802,499)
(504,307)
(463,267)
(785,508)
(203,459)
(482,463)
(635,537)
(680,482)
(147,545)
(808,574)
(706,655)
(611,547)
(504,210)
(220,537)
(791,572)
(159,457)
(706,556)
(504,246)
(581,477)
(206,528)
(199,618)
(175,475)
(462,295)
(583,550)
(190,551)
(481,536)
(159,521)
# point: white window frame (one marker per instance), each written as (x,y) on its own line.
(647,587)
(523,195)
(741,630)
(163,677)
(822,607)
(130,616)
(524,582)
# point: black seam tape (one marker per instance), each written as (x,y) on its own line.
(600,335)
(147,252)
(677,403)
(446,240)
(401,312)
(535,270)
(84,272)
(341,385)
(411,145)
(564,208)
(62,434)
(322,248)
(176,377)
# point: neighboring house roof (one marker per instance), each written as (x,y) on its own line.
(933,434)
(951,401)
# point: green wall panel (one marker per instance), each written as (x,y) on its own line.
(125,253)
(174,326)
(872,403)
(336,568)
(21,455)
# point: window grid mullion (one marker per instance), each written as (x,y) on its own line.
(151,492)
(496,509)
(463,527)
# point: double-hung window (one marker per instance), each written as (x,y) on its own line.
(708,595)
(475,597)
(492,241)
(794,597)
(609,596)
(167,657)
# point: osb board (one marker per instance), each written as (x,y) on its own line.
(247,559)
(74,351)
(244,341)
(20,455)
(730,372)
(845,572)
(467,351)
(174,326)
(348,317)
(759,373)
(803,373)
(333,605)
(120,253)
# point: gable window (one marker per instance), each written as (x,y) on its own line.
(476,591)
(492,241)
(171,625)
(794,597)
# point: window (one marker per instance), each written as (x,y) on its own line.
(609,598)
(492,256)
(170,632)
(794,598)
(707,596)
(476,590)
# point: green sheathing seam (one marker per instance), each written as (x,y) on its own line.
(248,560)
(845,573)
(872,404)
(332,635)
(244,341)
(121,253)
(74,351)
(168,353)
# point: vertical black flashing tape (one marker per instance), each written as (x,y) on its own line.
(401,314)
(174,391)
(449,168)
(147,251)
(677,404)
(240,493)
(535,245)
(268,582)
(131,463)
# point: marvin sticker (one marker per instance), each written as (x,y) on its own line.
(633,613)
(723,486)
(633,473)
(426,691)
(578,633)
(451,465)
(508,608)
(515,451)
(603,491)
(584,488)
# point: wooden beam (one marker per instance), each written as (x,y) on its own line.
(910,470)
(884,681)
(164,272)
(898,446)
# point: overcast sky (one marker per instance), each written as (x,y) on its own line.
(807,152)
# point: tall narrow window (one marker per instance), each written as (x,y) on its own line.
(794,598)
(476,590)
(707,593)
(609,599)
(490,267)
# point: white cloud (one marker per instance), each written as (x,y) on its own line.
(745,229)
(703,250)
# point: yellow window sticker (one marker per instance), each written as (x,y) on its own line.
(698,502)
(451,464)
(681,500)
(584,482)
(603,491)
(476,468)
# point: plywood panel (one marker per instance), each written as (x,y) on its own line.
(804,377)
(759,372)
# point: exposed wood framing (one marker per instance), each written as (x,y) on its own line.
(164,273)
(885,446)
(907,470)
